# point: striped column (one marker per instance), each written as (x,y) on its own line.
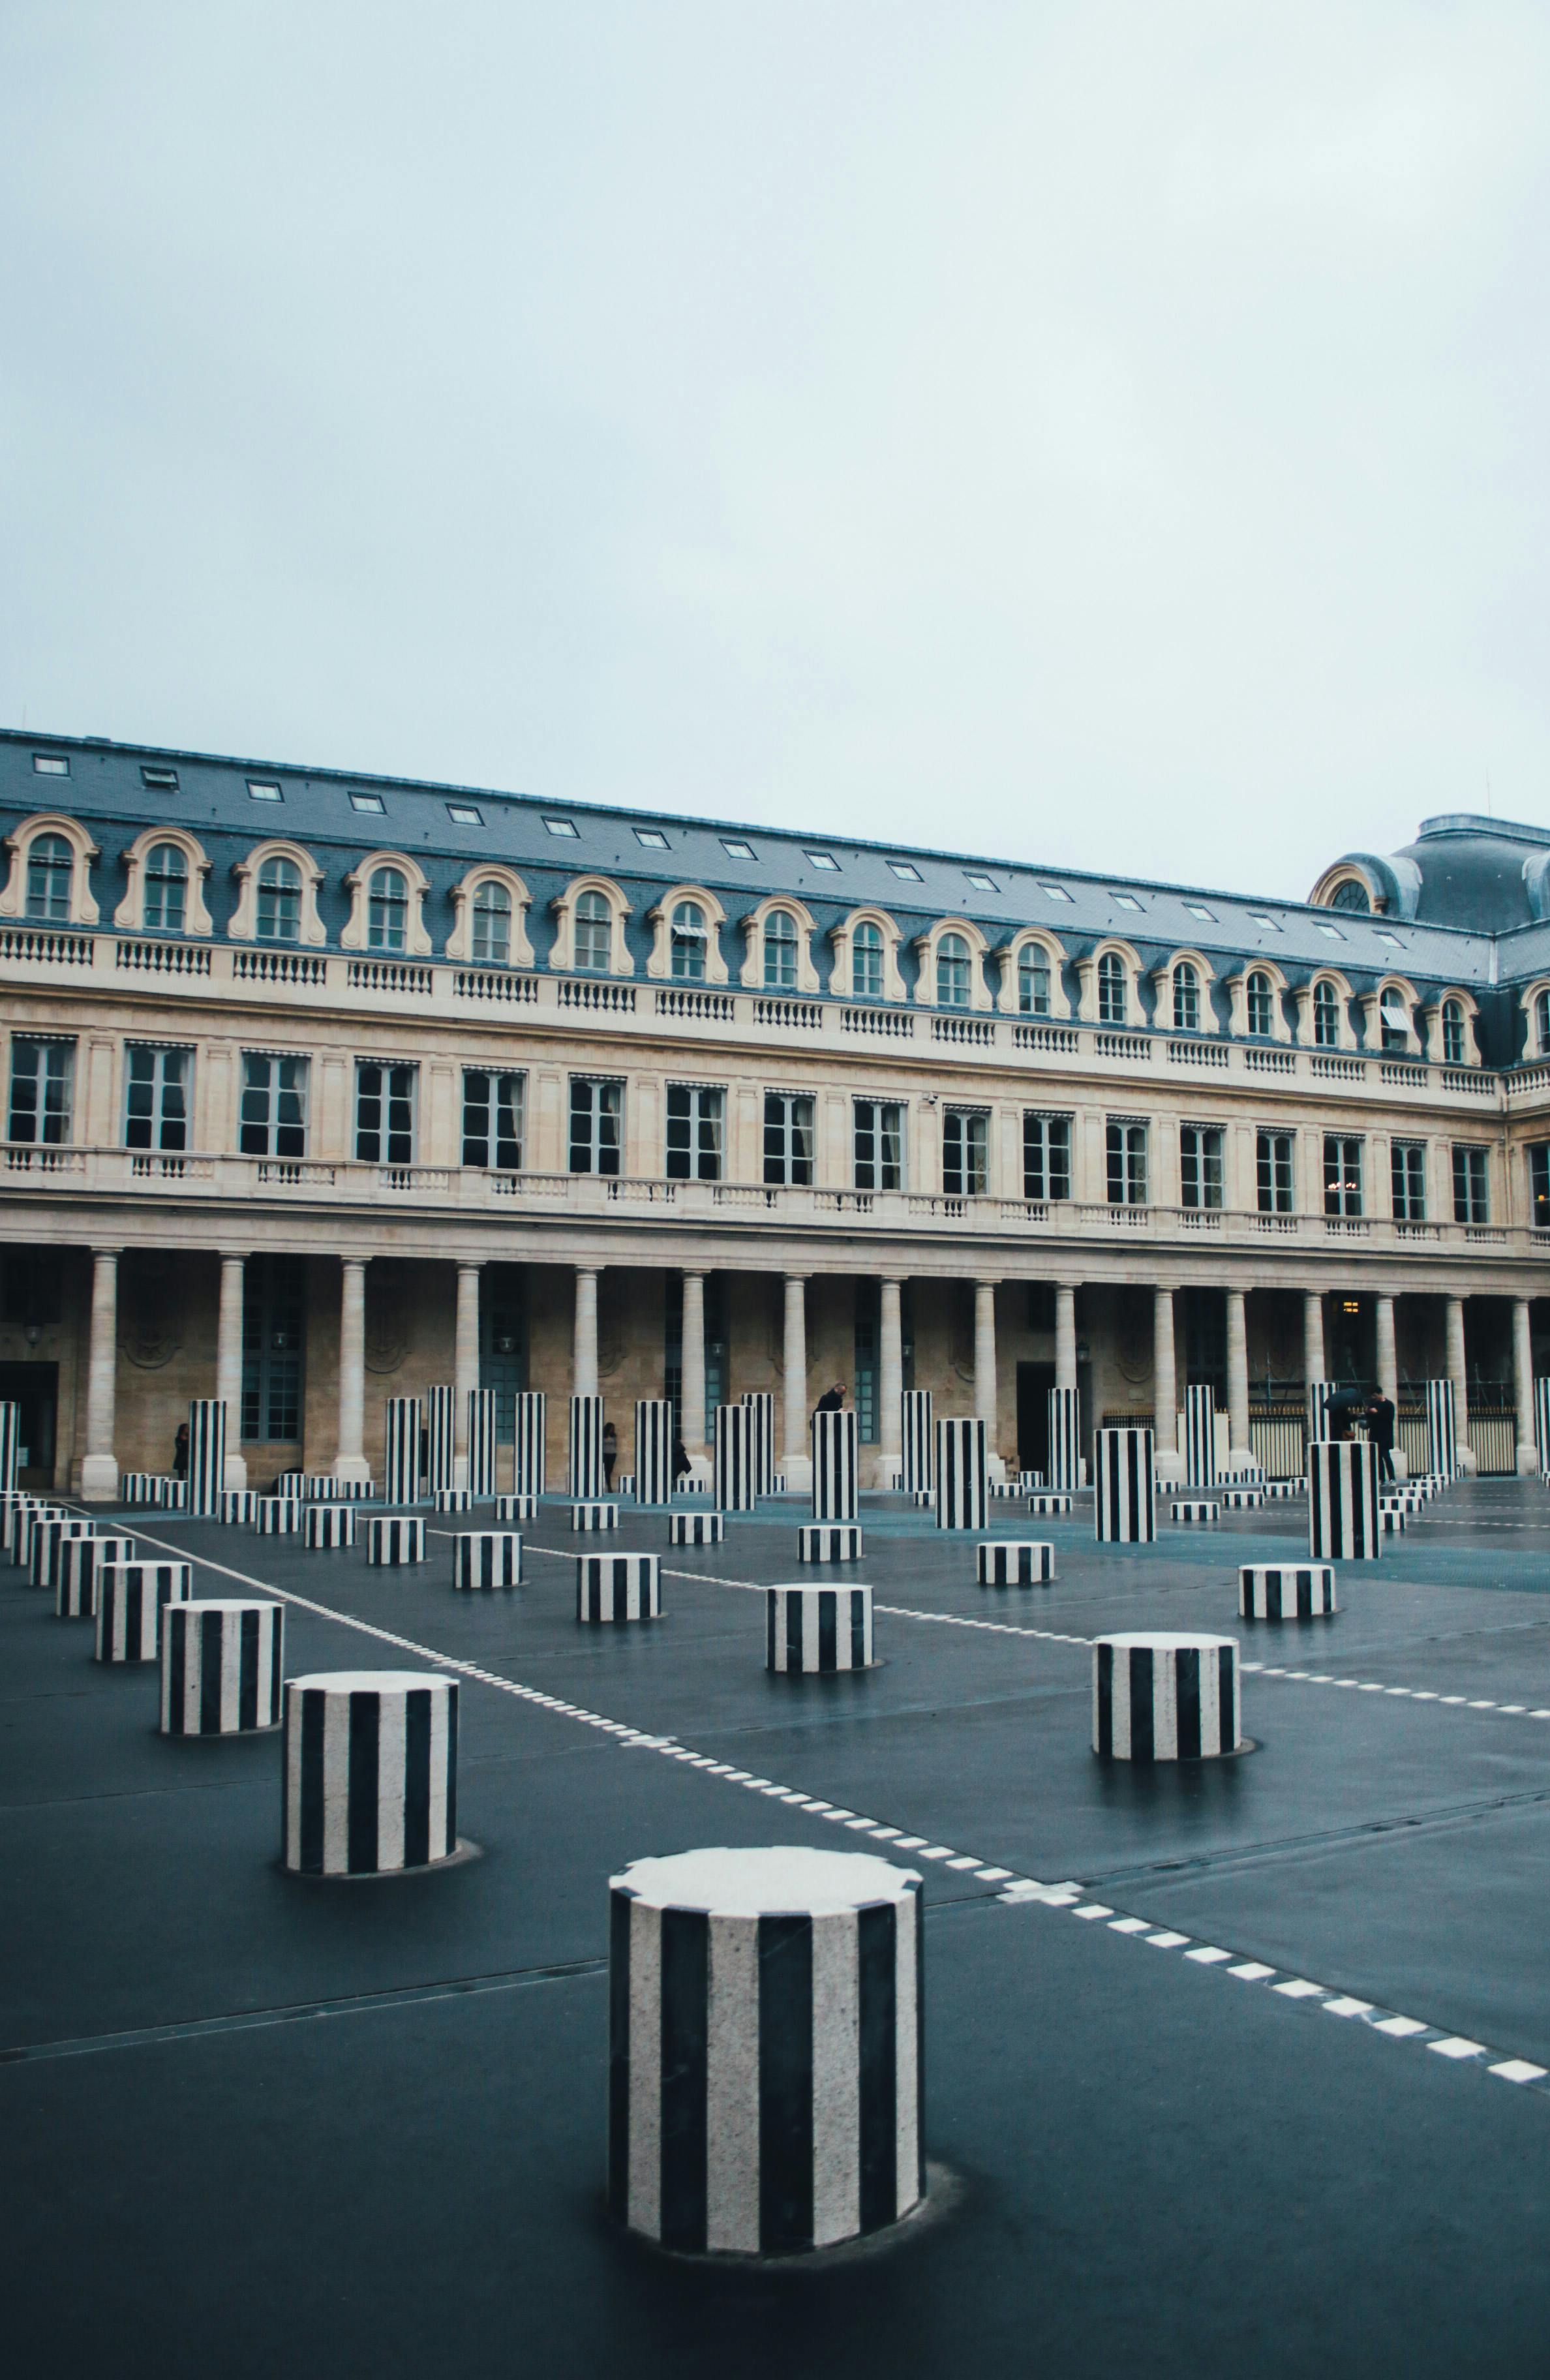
(594,1516)
(1065,1438)
(829,1541)
(1200,1438)
(1343,1522)
(1046,1501)
(696,1529)
(277,1516)
(516,1508)
(452,1499)
(761,1404)
(1162,1696)
(76,1573)
(10,1444)
(917,1473)
(587,1446)
(47,1539)
(392,1543)
(440,1409)
(810,1630)
(653,1450)
(239,1504)
(401,1471)
(481,1443)
(736,1483)
(1197,1513)
(1541,1424)
(12,1502)
(221,1667)
(615,1587)
(129,1599)
(486,1558)
(530,1447)
(291,1483)
(1014,1562)
(1125,1509)
(207,1457)
(327,1528)
(1319,1394)
(1442,1430)
(765,2048)
(26,1521)
(961,1498)
(370,1772)
(1305,1592)
(835,1452)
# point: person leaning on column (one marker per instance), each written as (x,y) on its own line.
(1380,1432)
(832,1399)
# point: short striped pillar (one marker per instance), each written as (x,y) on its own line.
(1343,1501)
(370,1772)
(440,1406)
(1162,1696)
(80,1559)
(829,1541)
(277,1516)
(486,1558)
(393,1542)
(624,1483)
(401,1467)
(13,1502)
(695,1528)
(129,1599)
(28,1519)
(1125,1503)
(614,1588)
(961,1498)
(594,1516)
(452,1499)
(766,2049)
(1240,1500)
(1200,1436)
(516,1508)
(239,1504)
(207,1457)
(141,1488)
(917,1444)
(586,1447)
(1028,1480)
(530,1442)
(1541,1422)
(1051,1500)
(1014,1562)
(324,1487)
(1442,1430)
(811,1630)
(1393,1520)
(761,1404)
(327,1528)
(481,1443)
(1196,1512)
(1280,1491)
(835,1466)
(10,1444)
(736,1486)
(291,1483)
(1304,1591)
(221,1667)
(1319,1395)
(653,1474)
(1065,1438)
(47,1539)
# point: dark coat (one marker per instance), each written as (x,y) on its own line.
(1380,1422)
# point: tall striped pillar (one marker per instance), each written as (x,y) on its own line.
(918,1476)
(586,1447)
(401,1479)
(835,1450)
(1125,1504)
(1319,1394)
(735,1490)
(765,2048)
(207,1457)
(761,1404)
(1442,1430)
(530,1448)
(10,1446)
(963,1492)
(370,1770)
(1200,1436)
(481,1443)
(1065,1439)
(653,1450)
(1343,1501)
(1541,1422)
(441,1446)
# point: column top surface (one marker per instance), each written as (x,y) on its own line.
(789,1879)
(1163,1640)
(372,1681)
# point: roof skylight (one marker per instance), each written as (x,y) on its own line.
(264,789)
(906,873)
(826,860)
(561,826)
(735,850)
(51,764)
(651,838)
(464,814)
(373,804)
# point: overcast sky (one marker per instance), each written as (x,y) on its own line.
(1073,431)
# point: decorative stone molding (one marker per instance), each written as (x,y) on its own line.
(130,913)
(562,956)
(928,946)
(244,924)
(842,980)
(356,935)
(460,942)
(19,842)
(658,967)
(754,927)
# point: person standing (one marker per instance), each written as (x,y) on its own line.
(180,1452)
(611,1454)
(1380,1432)
(832,1399)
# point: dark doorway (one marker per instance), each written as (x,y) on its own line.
(35,1388)
(1033,1384)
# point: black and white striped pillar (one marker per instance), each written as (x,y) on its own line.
(1541,1424)
(917,1443)
(1065,1438)
(76,1573)
(1319,1394)
(653,1450)
(1196,1512)
(452,1499)
(401,1469)
(47,1539)
(370,1772)
(129,1599)
(1200,1436)
(327,1528)
(207,1457)
(961,1498)
(481,1443)
(1343,1501)
(1442,1430)
(811,1630)
(516,1508)
(761,1404)
(240,1505)
(441,1407)
(766,2059)
(736,1489)
(1125,1504)
(277,1516)
(1301,1591)
(594,1516)
(695,1528)
(391,1542)
(1281,1491)
(1023,1562)
(291,1483)
(139,1488)
(530,1442)
(10,1444)
(1158,1695)
(222,1662)
(835,1466)
(611,1587)
(26,1521)
(586,1447)
(1046,1501)
(486,1558)
(12,1502)
(829,1541)
(1240,1500)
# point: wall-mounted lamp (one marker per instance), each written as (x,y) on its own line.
(31,1333)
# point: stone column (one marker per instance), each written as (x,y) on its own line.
(99,1470)
(1388,1362)
(1458,1372)
(1240,1448)
(1065,1336)
(228,1368)
(691,1402)
(1165,1387)
(985,1398)
(797,1462)
(465,1366)
(350,1462)
(1523,1389)
(583,1357)
(890,1381)
(1313,1335)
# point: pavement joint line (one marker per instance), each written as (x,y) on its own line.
(1018,1890)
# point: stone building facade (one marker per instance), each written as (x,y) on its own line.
(321,1089)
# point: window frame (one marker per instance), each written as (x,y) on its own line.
(1274,1171)
(871,1133)
(397,1090)
(1127,1161)
(284,1136)
(1046,1154)
(168,1117)
(785,1164)
(1407,1180)
(595,1125)
(502,1129)
(1203,1167)
(1472,1183)
(53,1086)
(695,1118)
(965,1152)
(1344,1197)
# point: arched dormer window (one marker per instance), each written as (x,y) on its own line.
(1112,988)
(1454,1034)
(866,961)
(687,937)
(1390,1013)
(279,911)
(387,903)
(1186,997)
(490,919)
(1031,981)
(166,868)
(780,946)
(491,936)
(278,896)
(1328,1014)
(594,932)
(950,974)
(50,866)
(166,889)
(387,911)
(867,957)
(1351,895)
(780,936)
(49,882)
(1259,1004)
(1542,1024)
(590,930)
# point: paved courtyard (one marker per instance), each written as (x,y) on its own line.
(1236,2066)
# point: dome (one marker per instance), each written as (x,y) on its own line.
(1484,874)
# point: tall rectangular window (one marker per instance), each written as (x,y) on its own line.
(879,1144)
(386,1114)
(788,1139)
(42,1080)
(1407,1170)
(597,1124)
(156,1103)
(1539,1185)
(274,1119)
(965,1152)
(1277,1183)
(1342,1174)
(1471,1186)
(696,1117)
(273,1327)
(492,1119)
(1045,1156)
(1200,1164)
(1126,1149)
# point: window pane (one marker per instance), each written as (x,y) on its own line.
(278,917)
(42,1078)
(493,925)
(866,962)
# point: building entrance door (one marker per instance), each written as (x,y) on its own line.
(1033,1384)
(35,1388)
